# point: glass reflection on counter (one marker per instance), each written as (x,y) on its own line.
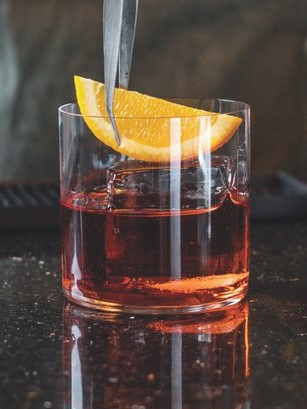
(123,362)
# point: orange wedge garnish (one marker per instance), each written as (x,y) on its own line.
(152,129)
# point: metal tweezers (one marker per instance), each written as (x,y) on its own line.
(119,23)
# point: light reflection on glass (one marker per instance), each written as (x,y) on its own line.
(123,362)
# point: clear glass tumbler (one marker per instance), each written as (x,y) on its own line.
(155,238)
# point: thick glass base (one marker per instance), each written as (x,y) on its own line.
(160,309)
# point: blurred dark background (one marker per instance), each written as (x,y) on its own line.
(250,50)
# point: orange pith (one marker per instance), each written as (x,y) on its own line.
(152,129)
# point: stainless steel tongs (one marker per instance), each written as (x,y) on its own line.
(119,22)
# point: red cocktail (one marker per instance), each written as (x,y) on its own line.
(149,237)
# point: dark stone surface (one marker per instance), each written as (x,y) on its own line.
(127,362)
(246,50)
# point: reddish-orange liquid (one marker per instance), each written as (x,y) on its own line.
(153,258)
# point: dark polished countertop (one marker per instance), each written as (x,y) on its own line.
(56,355)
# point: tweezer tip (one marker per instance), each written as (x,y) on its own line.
(117,137)
(116,134)
(113,122)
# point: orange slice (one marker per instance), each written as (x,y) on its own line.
(152,129)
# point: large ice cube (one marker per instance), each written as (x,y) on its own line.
(140,186)
(239,181)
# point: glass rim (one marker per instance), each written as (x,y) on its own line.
(239,106)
